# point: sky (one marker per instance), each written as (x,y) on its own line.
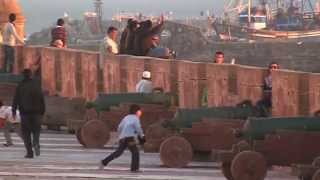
(42,13)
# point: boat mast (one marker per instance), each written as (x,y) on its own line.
(249,10)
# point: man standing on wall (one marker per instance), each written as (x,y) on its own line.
(29,100)
(10,37)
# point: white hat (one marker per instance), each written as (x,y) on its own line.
(146,74)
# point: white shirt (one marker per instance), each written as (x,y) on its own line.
(6,113)
(109,43)
(10,35)
(104,46)
(130,127)
(144,86)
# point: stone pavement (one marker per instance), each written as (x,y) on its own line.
(63,158)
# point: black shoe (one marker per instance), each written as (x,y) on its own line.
(137,171)
(101,166)
(28,156)
(7,144)
(37,150)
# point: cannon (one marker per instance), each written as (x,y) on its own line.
(112,108)
(267,142)
(105,101)
(10,78)
(62,111)
(200,130)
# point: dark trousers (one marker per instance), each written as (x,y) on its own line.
(8,58)
(264,107)
(125,143)
(31,126)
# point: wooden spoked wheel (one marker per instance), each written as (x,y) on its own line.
(249,165)
(79,138)
(316,162)
(316,175)
(176,152)
(95,134)
(226,170)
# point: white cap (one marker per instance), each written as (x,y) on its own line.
(146,74)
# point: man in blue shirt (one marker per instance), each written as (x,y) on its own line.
(129,129)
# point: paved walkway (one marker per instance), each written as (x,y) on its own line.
(63,158)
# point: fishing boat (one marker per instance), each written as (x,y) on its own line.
(269,19)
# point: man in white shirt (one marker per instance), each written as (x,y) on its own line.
(10,37)
(109,45)
(129,129)
(9,123)
(145,84)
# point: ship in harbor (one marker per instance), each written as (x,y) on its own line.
(268,19)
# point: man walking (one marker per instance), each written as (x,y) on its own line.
(10,37)
(129,129)
(29,100)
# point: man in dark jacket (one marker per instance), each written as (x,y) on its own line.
(29,100)
(127,37)
(144,34)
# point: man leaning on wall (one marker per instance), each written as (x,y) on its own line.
(109,45)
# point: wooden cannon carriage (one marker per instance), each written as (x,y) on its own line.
(268,142)
(307,171)
(200,130)
(109,109)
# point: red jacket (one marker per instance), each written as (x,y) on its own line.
(59,33)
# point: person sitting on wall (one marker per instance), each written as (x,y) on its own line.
(156,50)
(219,57)
(264,106)
(58,34)
(145,84)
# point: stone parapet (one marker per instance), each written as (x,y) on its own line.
(73,73)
